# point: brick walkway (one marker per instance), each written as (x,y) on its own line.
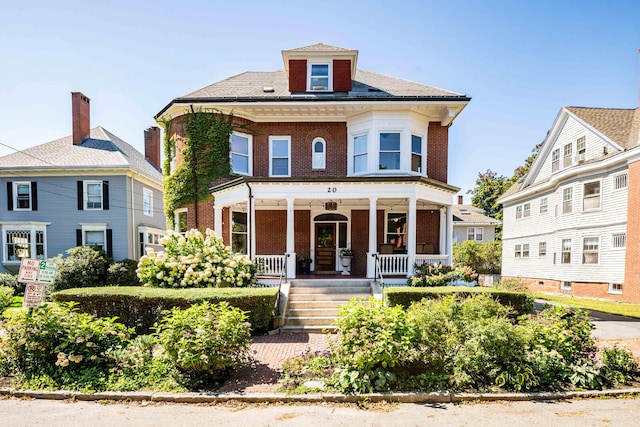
(269,352)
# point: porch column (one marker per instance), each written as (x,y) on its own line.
(252,227)
(217,220)
(450,234)
(411,234)
(373,237)
(443,231)
(291,248)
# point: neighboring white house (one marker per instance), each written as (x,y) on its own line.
(470,223)
(570,225)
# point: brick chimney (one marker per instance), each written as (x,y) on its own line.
(81,117)
(460,200)
(152,145)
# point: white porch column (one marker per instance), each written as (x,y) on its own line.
(449,245)
(411,234)
(252,227)
(217,220)
(373,237)
(443,231)
(291,248)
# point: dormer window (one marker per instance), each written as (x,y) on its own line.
(319,79)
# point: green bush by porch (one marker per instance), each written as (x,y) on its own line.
(520,302)
(141,307)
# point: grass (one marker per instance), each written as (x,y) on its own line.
(623,309)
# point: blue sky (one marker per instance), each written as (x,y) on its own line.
(520,61)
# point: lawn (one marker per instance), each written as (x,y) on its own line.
(623,309)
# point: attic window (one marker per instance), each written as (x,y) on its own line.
(465,212)
(319,77)
(268,89)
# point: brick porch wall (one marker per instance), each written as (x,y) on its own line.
(631,285)
(271,232)
(428,228)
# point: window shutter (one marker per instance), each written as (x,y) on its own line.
(10,195)
(78,237)
(109,243)
(105,195)
(80,196)
(34,196)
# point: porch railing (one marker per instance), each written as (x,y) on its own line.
(432,259)
(398,264)
(271,265)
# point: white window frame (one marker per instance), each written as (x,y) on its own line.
(615,288)
(147,206)
(149,236)
(555,160)
(329,76)
(16,207)
(242,233)
(364,154)
(590,250)
(420,154)
(318,159)
(563,252)
(542,249)
(519,212)
(248,155)
(567,202)
(565,285)
(526,210)
(619,240)
(94,227)
(32,229)
(476,232)
(85,186)
(586,197)
(567,155)
(620,181)
(399,151)
(518,250)
(177,213)
(544,205)
(271,158)
(581,149)
(525,250)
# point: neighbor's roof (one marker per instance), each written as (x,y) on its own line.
(102,150)
(472,215)
(619,125)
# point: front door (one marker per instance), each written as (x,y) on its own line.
(325,247)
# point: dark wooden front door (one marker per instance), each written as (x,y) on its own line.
(325,247)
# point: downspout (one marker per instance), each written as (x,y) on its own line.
(250,234)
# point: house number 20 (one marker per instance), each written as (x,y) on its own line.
(332,190)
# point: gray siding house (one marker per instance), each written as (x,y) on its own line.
(89,188)
(470,223)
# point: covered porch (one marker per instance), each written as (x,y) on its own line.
(389,224)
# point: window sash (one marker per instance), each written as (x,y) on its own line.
(519,212)
(526,210)
(280,153)
(93,199)
(591,198)
(319,77)
(239,233)
(544,205)
(147,202)
(360,154)
(590,250)
(24,242)
(389,151)
(416,153)
(542,249)
(568,152)
(397,229)
(566,251)
(567,200)
(240,154)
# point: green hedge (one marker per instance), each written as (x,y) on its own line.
(521,302)
(141,307)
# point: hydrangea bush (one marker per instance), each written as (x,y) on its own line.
(195,261)
(440,275)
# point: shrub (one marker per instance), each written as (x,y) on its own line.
(206,340)
(57,347)
(141,307)
(123,273)
(11,281)
(6,297)
(438,275)
(482,257)
(194,260)
(309,366)
(86,266)
(618,366)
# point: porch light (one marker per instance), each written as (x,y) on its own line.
(331,206)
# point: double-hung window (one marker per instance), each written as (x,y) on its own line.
(555,160)
(147,202)
(567,200)
(526,211)
(319,77)
(581,149)
(518,211)
(241,153)
(591,196)
(280,156)
(566,251)
(542,249)
(475,233)
(544,205)
(416,153)
(22,196)
(239,232)
(360,149)
(567,152)
(92,195)
(389,151)
(590,249)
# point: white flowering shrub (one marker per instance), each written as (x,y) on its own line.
(195,261)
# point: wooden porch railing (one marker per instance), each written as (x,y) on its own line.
(398,264)
(271,265)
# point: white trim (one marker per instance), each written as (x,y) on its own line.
(318,160)
(249,155)
(15,196)
(271,158)
(85,195)
(352,154)
(94,227)
(400,134)
(176,219)
(565,285)
(614,291)
(584,197)
(329,64)
(145,192)
(32,228)
(583,251)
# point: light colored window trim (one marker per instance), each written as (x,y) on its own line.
(147,208)
(16,207)
(525,250)
(271,158)
(565,285)
(399,151)
(618,240)
(177,213)
(519,212)
(421,168)
(476,233)
(565,248)
(233,232)
(581,149)
(318,159)
(526,210)
(615,288)
(364,154)
(329,77)
(591,249)
(518,251)
(555,160)
(544,205)
(248,155)
(85,185)
(542,249)
(94,227)
(620,181)
(591,197)
(567,200)
(33,243)
(567,153)
(149,237)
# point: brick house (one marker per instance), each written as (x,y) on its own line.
(338,158)
(570,225)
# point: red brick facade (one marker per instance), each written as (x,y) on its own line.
(438,151)
(631,285)
(360,240)
(578,289)
(271,232)
(428,228)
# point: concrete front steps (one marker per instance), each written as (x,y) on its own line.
(313,304)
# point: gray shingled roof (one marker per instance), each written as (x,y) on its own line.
(319,47)
(366,84)
(619,125)
(475,216)
(102,150)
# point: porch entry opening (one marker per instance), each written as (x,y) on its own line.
(330,237)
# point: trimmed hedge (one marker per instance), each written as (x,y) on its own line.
(521,302)
(142,307)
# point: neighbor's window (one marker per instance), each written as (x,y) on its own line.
(544,205)
(360,154)
(239,232)
(181,223)
(24,242)
(542,249)
(567,152)
(389,151)
(241,153)
(93,195)
(590,247)
(319,77)
(567,200)
(319,156)
(566,251)
(591,196)
(22,191)
(475,233)
(95,236)
(518,251)
(279,152)
(147,202)
(555,160)
(620,181)
(619,240)
(416,153)
(526,212)
(615,288)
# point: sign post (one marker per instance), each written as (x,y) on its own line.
(36,274)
